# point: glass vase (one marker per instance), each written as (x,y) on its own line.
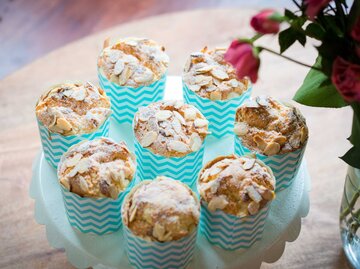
(350,217)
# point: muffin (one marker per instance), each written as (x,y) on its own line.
(276,132)
(133,72)
(160,219)
(211,84)
(69,113)
(235,196)
(96,174)
(169,138)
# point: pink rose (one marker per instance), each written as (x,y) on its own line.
(355,31)
(346,78)
(313,7)
(242,57)
(262,22)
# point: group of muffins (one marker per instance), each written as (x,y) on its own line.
(154,194)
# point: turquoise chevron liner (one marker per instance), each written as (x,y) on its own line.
(231,232)
(184,169)
(284,166)
(54,145)
(94,216)
(221,114)
(126,100)
(144,254)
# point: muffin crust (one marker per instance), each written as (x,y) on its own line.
(73,108)
(239,186)
(133,62)
(170,128)
(208,75)
(270,127)
(161,210)
(98,168)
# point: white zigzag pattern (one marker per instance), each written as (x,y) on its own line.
(221,114)
(230,232)
(285,166)
(101,216)
(184,169)
(56,145)
(144,254)
(125,101)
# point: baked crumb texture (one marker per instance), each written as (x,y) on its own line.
(236,193)
(73,108)
(98,168)
(161,210)
(133,62)
(276,133)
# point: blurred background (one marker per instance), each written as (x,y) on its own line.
(32,28)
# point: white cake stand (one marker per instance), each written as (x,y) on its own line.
(82,250)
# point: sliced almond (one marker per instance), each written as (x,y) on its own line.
(203,80)
(272,149)
(179,117)
(71,162)
(267,194)
(215,170)
(144,77)
(163,115)
(176,125)
(218,202)
(200,123)
(113,55)
(190,113)
(83,165)
(194,88)
(133,210)
(159,231)
(79,95)
(148,139)
(83,185)
(240,128)
(65,182)
(195,142)
(249,163)
(253,208)
(204,69)
(119,67)
(178,146)
(63,124)
(234,83)
(253,194)
(303,135)
(280,139)
(260,142)
(219,74)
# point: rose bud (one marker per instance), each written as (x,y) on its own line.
(313,7)
(244,60)
(346,78)
(264,24)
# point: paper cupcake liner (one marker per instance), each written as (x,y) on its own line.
(55,145)
(185,168)
(126,100)
(231,232)
(284,166)
(155,255)
(220,114)
(94,215)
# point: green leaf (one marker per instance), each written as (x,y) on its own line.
(318,91)
(315,30)
(352,157)
(287,38)
(301,38)
(355,131)
(290,14)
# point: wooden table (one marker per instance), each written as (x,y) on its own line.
(23,242)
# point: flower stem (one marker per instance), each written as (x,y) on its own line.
(289,59)
(348,209)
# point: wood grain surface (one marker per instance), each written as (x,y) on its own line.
(23,242)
